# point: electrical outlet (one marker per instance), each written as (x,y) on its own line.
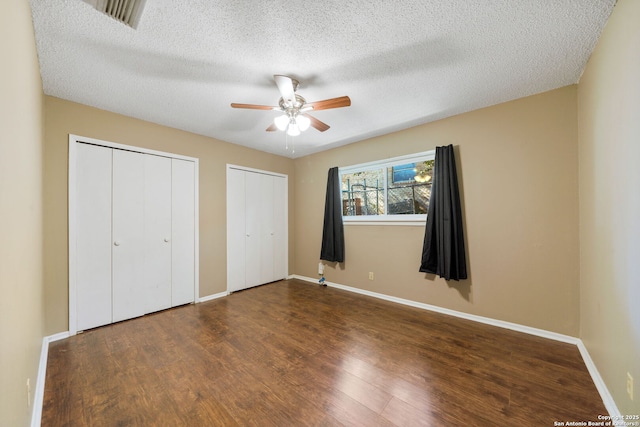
(28,392)
(371,275)
(630,385)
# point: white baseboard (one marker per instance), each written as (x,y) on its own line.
(487,320)
(212,297)
(57,337)
(38,395)
(607,399)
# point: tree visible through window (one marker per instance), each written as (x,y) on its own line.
(400,186)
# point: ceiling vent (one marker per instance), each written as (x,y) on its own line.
(126,11)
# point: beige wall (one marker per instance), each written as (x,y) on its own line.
(519,180)
(64,117)
(609,146)
(529,261)
(21,305)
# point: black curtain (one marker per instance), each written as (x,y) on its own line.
(443,250)
(333,231)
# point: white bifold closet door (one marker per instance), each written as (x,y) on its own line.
(280,228)
(236,235)
(157,233)
(254,247)
(135,234)
(256,228)
(93,241)
(183,244)
(128,280)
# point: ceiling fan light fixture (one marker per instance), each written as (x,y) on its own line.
(303,123)
(293,130)
(281,122)
(294,118)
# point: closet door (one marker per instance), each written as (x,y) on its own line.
(253,229)
(236,234)
(128,286)
(182,232)
(132,232)
(280,244)
(267,231)
(256,228)
(93,239)
(157,233)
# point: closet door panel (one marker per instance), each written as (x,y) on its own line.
(157,233)
(236,232)
(183,232)
(280,253)
(128,235)
(266,219)
(93,241)
(253,227)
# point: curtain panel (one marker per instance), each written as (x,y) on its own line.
(443,251)
(333,231)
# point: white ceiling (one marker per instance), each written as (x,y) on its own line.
(402,63)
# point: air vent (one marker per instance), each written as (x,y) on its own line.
(126,11)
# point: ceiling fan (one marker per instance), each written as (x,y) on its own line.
(295,108)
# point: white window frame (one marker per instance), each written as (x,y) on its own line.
(385,219)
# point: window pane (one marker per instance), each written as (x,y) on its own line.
(363,193)
(409,188)
(403,173)
(396,190)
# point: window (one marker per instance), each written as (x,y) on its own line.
(393,190)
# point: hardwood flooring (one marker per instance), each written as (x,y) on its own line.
(296,354)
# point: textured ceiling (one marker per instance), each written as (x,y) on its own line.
(402,63)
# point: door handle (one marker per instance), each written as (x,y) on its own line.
(166,240)
(116,243)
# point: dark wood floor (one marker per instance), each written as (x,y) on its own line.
(295,354)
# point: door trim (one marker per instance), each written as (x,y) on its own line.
(72,219)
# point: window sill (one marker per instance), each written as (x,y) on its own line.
(410,220)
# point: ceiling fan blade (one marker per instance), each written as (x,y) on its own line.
(254,106)
(321,126)
(272,127)
(342,101)
(285,86)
